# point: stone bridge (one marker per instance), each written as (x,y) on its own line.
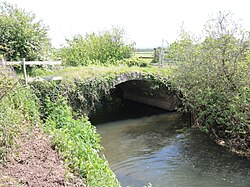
(146,88)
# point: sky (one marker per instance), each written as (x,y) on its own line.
(146,22)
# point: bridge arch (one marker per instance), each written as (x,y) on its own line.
(146,88)
(141,87)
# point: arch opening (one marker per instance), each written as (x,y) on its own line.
(147,92)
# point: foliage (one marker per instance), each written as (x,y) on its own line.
(42,90)
(213,76)
(39,72)
(6,82)
(79,144)
(22,36)
(107,47)
(88,92)
(134,62)
(17,109)
(183,50)
(70,74)
(85,86)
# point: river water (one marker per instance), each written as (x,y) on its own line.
(146,145)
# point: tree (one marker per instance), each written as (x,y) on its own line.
(183,50)
(215,79)
(102,48)
(22,36)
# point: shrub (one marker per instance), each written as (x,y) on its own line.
(6,82)
(107,47)
(17,106)
(213,76)
(42,90)
(22,36)
(134,62)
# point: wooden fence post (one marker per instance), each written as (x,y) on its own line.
(24,72)
(26,63)
(160,57)
(3,61)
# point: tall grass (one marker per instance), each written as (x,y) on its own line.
(18,110)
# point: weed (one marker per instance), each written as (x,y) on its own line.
(79,144)
(17,109)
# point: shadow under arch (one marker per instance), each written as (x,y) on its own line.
(146,89)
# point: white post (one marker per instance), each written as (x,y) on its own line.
(159,63)
(3,61)
(161,55)
(24,72)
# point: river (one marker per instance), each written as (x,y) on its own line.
(147,145)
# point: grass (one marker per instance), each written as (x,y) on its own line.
(145,54)
(18,110)
(69,74)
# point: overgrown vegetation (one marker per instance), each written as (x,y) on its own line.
(106,47)
(21,35)
(139,62)
(79,144)
(76,140)
(213,75)
(85,86)
(18,109)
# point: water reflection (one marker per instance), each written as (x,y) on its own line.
(161,150)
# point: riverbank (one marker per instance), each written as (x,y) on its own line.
(35,163)
(237,145)
(27,157)
(37,142)
(19,106)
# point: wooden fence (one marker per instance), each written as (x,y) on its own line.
(25,63)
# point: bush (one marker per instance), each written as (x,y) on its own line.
(42,90)
(107,47)
(134,62)
(17,106)
(39,72)
(213,76)
(21,36)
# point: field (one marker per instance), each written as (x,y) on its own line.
(145,54)
(149,56)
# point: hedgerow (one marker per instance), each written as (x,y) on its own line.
(213,75)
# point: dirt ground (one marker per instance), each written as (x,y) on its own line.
(36,164)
